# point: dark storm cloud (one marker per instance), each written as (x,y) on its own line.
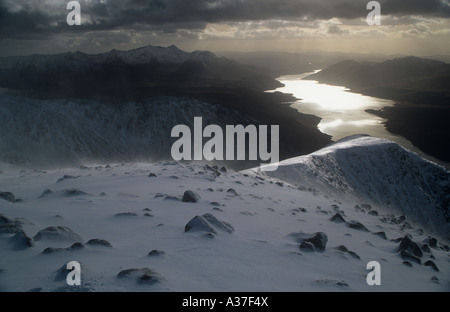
(22,18)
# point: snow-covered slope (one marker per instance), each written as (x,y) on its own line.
(52,133)
(136,228)
(380,173)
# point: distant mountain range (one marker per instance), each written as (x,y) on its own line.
(132,74)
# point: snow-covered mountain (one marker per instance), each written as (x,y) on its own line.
(144,55)
(313,225)
(146,71)
(147,54)
(56,133)
(380,173)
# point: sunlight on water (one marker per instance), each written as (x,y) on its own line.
(342,112)
(330,98)
(324,126)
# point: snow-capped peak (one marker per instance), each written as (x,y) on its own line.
(202,56)
(147,54)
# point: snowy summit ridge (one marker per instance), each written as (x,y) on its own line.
(379,172)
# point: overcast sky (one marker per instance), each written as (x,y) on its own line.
(420,27)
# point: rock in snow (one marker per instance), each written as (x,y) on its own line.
(406,255)
(141,276)
(21,241)
(46,193)
(411,247)
(307,246)
(8,226)
(99,242)
(4,219)
(431,264)
(8,196)
(73,193)
(207,223)
(155,253)
(357,226)
(51,250)
(337,218)
(380,234)
(66,177)
(319,239)
(126,214)
(58,233)
(190,197)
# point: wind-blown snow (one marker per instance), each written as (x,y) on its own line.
(137,209)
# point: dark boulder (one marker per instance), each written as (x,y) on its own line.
(431,241)
(21,241)
(46,193)
(337,218)
(155,253)
(73,193)
(190,197)
(8,196)
(99,242)
(307,246)
(357,226)
(233,192)
(66,177)
(126,214)
(208,223)
(4,219)
(407,263)
(59,233)
(342,248)
(198,224)
(380,234)
(431,264)
(141,276)
(408,256)
(407,244)
(51,250)
(10,228)
(425,248)
(354,255)
(319,239)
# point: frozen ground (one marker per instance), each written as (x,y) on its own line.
(252,244)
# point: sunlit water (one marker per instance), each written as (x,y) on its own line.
(342,112)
